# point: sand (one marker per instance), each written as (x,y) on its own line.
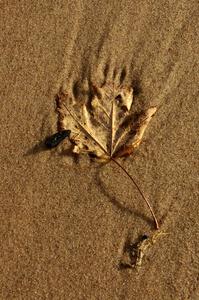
(64,224)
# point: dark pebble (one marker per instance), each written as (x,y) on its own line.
(55,139)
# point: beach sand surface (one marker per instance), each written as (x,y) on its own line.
(64,223)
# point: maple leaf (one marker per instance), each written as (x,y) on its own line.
(104,125)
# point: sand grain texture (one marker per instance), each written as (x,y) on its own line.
(63,225)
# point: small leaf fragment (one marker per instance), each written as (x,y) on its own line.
(139,249)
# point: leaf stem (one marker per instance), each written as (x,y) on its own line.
(141,193)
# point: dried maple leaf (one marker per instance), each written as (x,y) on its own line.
(104,126)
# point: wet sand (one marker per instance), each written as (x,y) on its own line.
(64,223)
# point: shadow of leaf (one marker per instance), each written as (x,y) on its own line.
(39,147)
(124,209)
